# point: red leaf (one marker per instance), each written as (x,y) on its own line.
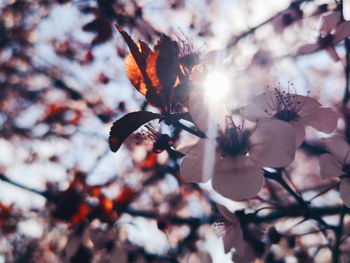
(136,62)
(163,68)
(136,69)
(123,127)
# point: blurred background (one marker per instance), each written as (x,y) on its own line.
(63,83)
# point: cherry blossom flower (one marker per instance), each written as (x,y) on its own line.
(337,164)
(296,110)
(235,158)
(332,31)
(233,238)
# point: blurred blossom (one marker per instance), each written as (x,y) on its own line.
(332,31)
(234,238)
(337,164)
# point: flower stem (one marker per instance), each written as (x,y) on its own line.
(278,178)
(304,206)
(190,130)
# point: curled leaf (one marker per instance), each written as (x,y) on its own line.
(126,125)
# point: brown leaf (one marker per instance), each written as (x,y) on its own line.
(126,125)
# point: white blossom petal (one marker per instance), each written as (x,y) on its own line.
(186,145)
(195,166)
(299,128)
(237,178)
(256,109)
(344,190)
(233,237)
(338,147)
(273,143)
(229,237)
(199,111)
(206,117)
(228,215)
(322,119)
(330,166)
(329,22)
(233,233)
(308,105)
(342,32)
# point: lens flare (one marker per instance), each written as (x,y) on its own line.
(216,86)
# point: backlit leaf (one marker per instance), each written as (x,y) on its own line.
(126,125)
(136,62)
(163,68)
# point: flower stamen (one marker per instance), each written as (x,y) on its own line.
(233,140)
(284,105)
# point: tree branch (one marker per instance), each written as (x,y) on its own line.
(338,233)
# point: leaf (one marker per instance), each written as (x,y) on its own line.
(136,69)
(136,62)
(135,75)
(126,125)
(163,68)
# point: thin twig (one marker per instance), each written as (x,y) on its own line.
(44,194)
(323,192)
(250,31)
(278,178)
(338,233)
(190,130)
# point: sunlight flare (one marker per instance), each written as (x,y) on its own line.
(216,85)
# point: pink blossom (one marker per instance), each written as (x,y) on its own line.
(332,31)
(235,158)
(295,110)
(337,164)
(233,238)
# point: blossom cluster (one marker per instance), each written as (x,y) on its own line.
(238,156)
(234,150)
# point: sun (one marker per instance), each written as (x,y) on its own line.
(216,86)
